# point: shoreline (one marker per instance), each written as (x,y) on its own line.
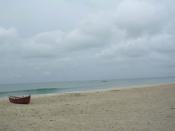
(97,90)
(103,90)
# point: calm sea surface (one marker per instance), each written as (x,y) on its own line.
(62,87)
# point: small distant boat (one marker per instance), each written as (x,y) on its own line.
(20,100)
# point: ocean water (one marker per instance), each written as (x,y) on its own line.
(62,87)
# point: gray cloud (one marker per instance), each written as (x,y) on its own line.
(121,39)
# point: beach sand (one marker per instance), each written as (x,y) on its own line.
(137,109)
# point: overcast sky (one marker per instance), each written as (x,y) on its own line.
(63,40)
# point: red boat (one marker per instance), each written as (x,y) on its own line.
(20,100)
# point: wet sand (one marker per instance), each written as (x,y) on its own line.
(137,109)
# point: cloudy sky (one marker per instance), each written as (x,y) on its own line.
(65,40)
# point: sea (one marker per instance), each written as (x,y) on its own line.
(78,86)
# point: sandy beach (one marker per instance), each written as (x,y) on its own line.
(137,109)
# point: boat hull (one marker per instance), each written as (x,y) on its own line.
(20,100)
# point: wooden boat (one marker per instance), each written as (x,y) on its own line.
(20,100)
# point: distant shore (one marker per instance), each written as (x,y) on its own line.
(133,109)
